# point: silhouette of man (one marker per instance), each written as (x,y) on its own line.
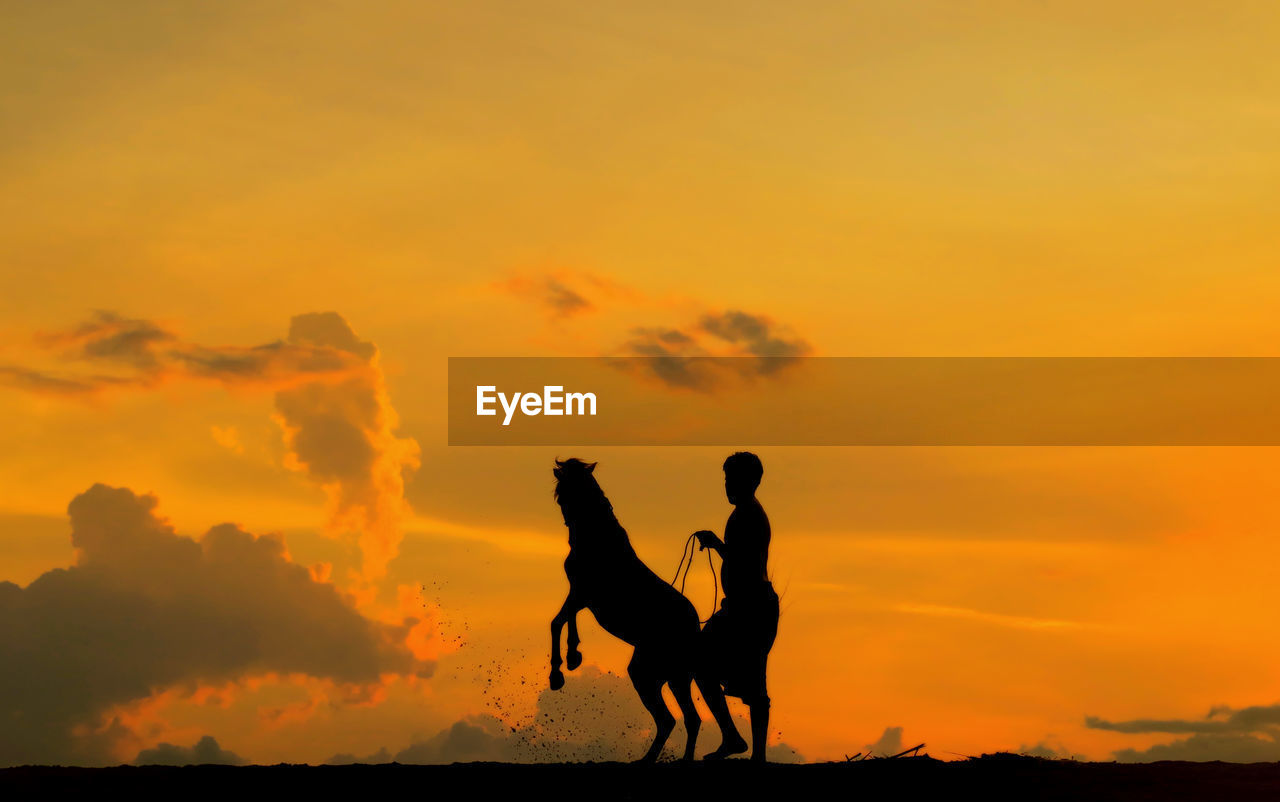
(735,643)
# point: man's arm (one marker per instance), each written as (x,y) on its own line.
(709,540)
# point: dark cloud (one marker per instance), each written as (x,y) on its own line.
(43,383)
(341,434)
(143,354)
(108,336)
(1247,734)
(202,753)
(564,300)
(717,350)
(330,395)
(347,758)
(274,362)
(144,609)
(480,738)
(595,717)
(552,292)
(327,330)
(889,743)
(672,357)
(745,345)
(1043,749)
(757,336)
(1144,725)
(1228,747)
(1220,719)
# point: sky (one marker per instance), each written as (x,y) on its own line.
(239,241)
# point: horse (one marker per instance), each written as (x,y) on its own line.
(629,601)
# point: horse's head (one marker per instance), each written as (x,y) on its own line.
(576,488)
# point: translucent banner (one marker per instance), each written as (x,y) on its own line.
(861,401)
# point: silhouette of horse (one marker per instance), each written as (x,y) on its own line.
(630,601)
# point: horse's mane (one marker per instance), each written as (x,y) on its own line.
(587,508)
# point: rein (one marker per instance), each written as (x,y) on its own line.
(687,555)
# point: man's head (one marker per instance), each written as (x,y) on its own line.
(742,472)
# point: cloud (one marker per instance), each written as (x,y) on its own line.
(1220,719)
(748,345)
(480,738)
(347,758)
(595,717)
(889,743)
(1247,734)
(564,300)
(1045,750)
(144,609)
(1229,747)
(204,752)
(550,291)
(754,335)
(718,348)
(342,436)
(1153,725)
(124,353)
(112,338)
(44,383)
(331,401)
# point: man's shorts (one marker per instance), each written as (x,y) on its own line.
(735,643)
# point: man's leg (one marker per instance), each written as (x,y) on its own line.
(707,676)
(759,705)
(759,728)
(731,743)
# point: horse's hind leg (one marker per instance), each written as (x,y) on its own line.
(681,688)
(648,683)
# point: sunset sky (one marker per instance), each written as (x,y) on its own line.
(239,241)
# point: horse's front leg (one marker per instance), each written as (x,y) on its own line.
(568,614)
(573,658)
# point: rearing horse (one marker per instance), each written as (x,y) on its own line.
(630,601)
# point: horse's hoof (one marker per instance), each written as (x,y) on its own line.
(557,680)
(573,660)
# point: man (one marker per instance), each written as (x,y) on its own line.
(735,643)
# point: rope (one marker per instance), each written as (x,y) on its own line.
(687,555)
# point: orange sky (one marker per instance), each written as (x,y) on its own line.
(875,178)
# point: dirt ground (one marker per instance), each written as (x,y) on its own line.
(990,777)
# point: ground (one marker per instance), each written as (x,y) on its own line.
(990,777)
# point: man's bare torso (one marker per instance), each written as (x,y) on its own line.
(746,555)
